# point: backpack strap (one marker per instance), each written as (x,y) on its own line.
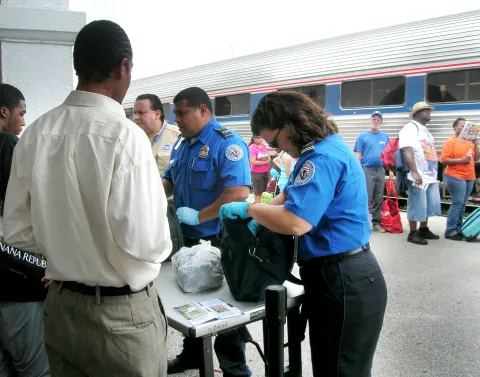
(290,277)
(415,124)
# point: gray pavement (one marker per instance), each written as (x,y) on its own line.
(432,323)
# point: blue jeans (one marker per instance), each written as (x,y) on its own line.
(22,345)
(423,204)
(460,190)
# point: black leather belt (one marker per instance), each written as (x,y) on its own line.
(335,258)
(104,291)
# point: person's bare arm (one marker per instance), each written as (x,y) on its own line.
(253,161)
(286,162)
(276,161)
(410,160)
(456,161)
(278,219)
(279,200)
(168,187)
(228,195)
(359,156)
(476,150)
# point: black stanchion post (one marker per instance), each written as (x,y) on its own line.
(295,335)
(275,313)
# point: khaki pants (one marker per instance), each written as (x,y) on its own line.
(114,336)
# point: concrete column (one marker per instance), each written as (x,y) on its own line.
(36,39)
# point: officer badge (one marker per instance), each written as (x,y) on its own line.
(234,152)
(167,147)
(305,174)
(204,151)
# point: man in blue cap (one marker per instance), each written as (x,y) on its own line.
(370,144)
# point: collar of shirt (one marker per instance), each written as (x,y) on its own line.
(157,136)
(89,99)
(205,133)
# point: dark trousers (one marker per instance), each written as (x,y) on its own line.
(229,346)
(375,178)
(345,303)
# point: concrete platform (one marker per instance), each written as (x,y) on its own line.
(432,324)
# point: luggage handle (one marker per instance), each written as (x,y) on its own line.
(391,188)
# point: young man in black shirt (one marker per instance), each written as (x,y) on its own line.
(12,112)
(22,348)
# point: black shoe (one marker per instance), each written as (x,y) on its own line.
(415,238)
(455,237)
(427,234)
(181,363)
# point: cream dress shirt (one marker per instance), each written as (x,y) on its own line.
(85,191)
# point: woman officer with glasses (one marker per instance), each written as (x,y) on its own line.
(325,204)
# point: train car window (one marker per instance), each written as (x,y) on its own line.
(388,91)
(474,85)
(453,86)
(238,104)
(356,93)
(129,113)
(446,87)
(315,92)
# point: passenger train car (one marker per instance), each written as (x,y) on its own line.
(388,69)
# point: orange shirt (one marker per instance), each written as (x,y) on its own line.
(454,148)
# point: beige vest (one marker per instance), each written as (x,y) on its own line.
(163,147)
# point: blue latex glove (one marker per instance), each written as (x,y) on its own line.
(235,210)
(188,216)
(253,226)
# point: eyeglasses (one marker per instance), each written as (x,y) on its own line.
(274,143)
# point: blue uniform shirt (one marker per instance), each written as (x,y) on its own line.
(371,145)
(200,171)
(328,189)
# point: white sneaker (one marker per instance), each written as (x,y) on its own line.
(378,228)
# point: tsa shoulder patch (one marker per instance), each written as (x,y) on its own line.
(306,173)
(234,152)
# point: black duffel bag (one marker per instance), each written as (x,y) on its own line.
(175,229)
(251,264)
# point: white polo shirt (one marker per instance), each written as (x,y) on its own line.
(85,191)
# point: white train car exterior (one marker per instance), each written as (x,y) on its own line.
(388,69)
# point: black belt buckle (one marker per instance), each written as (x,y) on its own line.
(366,247)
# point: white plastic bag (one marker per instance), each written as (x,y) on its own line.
(198,267)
